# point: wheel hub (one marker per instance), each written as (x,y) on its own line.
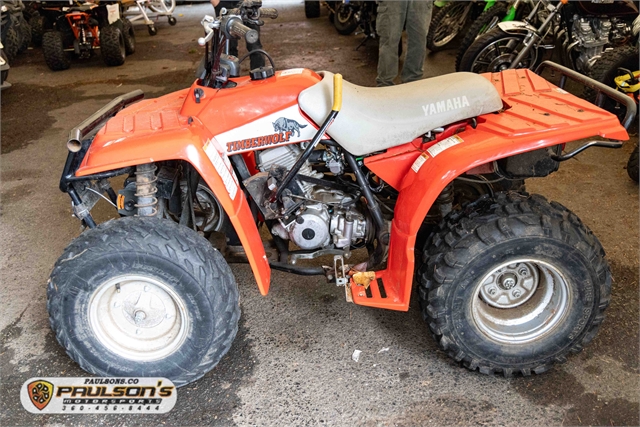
(521,301)
(510,286)
(138,317)
(502,62)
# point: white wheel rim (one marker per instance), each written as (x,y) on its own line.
(138,317)
(521,301)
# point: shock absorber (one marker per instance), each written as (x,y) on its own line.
(146,189)
(445,200)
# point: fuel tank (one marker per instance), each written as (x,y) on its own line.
(254,115)
(248,115)
(625,8)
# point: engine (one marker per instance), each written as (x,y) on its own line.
(323,217)
(591,37)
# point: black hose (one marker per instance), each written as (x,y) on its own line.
(301,271)
(273,65)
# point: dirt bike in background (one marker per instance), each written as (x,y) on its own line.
(312,8)
(349,16)
(618,68)
(449,18)
(583,30)
(508,282)
(501,11)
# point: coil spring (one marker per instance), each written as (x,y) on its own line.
(146,189)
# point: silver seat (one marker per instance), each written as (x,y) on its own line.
(374,119)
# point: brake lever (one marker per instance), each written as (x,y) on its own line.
(208,23)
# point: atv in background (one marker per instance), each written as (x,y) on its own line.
(16,32)
(4,69)
(83,29)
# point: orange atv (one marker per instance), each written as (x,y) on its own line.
(83,29)
(413,183)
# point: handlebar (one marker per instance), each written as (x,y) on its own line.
(268,12)
(236,28)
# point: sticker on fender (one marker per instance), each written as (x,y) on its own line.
(223,167)
(434,150)
(98,395)
(447,143)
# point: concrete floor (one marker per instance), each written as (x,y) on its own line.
(291,362)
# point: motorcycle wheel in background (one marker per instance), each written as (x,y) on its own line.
(494,51)
(632,165)
(345,19)
(485,22)
(606,69)
(446,25)
(311,9)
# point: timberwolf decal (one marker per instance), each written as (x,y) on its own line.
(287,125)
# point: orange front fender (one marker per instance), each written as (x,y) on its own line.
(167,136)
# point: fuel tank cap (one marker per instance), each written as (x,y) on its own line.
(262,73)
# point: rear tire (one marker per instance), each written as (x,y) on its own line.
(25,34)
(480,26)
(632,165)
(37,23)
(144,297)
(440,32)
(474,265)
(53,51)
(129,37)
(112,46)
(12,43)
(312,9)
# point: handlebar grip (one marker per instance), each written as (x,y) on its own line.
(268,12)
(337,92)
(237,29)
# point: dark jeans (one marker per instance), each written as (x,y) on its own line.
(257,59)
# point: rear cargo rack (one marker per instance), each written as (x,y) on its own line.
(602,89)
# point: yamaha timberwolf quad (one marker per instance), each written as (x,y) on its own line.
(418,182)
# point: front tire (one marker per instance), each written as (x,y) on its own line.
(143,297)
(494,51)
(345,19)
(444,28)
(485,22)
(513,285)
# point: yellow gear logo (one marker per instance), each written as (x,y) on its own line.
(40,393)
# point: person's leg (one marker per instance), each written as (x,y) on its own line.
(418,19)
(389,24)
(257,59)
(229,4)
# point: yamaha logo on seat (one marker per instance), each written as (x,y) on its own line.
(446,105)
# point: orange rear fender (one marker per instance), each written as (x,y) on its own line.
(539,115)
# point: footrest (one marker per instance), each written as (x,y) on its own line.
(376,294)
